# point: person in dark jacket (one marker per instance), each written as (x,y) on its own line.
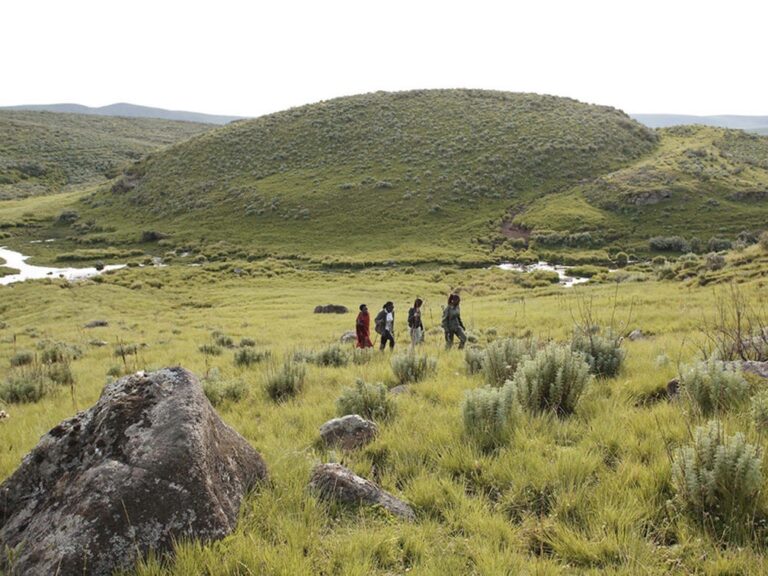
(363,328)
(385,325)
(452,324)
(414,322)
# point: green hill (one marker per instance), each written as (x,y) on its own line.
(700,183)
(420,175)
(43,152)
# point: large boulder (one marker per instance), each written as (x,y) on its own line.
(334,482)
(348,432)
(331,309)
(149,464)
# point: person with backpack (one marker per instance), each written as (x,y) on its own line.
(385,325)
(414,322)
(452,324)
(363,328)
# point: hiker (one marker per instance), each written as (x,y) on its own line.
(385,325)
(363,328)
(414,322)
(452,324)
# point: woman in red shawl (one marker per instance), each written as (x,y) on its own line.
(363,328)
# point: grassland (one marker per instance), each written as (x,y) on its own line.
(44,152)
(590,493)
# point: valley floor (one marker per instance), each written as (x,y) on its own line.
(590,493)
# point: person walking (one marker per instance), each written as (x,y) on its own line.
(452,324)
(363,328)
(385,325)
(415,324)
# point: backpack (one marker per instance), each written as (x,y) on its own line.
(380,322)
(411,319)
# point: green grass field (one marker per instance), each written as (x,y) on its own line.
(590,493)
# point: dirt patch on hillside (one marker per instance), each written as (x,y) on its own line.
(512,230)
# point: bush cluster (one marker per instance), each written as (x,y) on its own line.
(502,358)
(412,367)
(717,478)
(370,401)
(713,386)
(602,352)
(286,382)
(490,414)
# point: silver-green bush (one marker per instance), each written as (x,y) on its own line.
(553,380)
(490,414)
(334,356)
(370,401)
(286,382)
(474,357)
(603,352)
(713,386)
(502,358)
(759,411)
(412,367)
(717,479)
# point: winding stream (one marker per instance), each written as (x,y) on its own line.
(562,271)
(16,260)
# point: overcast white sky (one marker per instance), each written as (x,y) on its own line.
(252,57)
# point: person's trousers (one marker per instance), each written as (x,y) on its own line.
(387,337)
(458,332)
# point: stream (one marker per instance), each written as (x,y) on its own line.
(16,260)
(562,271)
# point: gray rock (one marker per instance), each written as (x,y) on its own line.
(96,324)
(98,343)
(673,388)
(150,463)
(636,334)
(331,309)
(348,432)
(336,483)
(348,337)
(400,389)
(759,368)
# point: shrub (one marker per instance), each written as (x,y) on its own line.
(602,352)
(217,391)
(474,358)
(668,244)
(410,367)
(490,414)
(759,411)
(286,382)
(23,388)
(502,358)
(223,340)
(210,350)
(61,374)
(247,356)
(621,259)
(24,358)
(334,356)
(658,261)
(714,261)
(763,240)
(553,380)
(718,244)
(713,386)
(717,478)
(247,343)
(362,356)
(367,400)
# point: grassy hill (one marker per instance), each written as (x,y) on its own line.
(43,152)
(700,183)
(421,174)
(126,110)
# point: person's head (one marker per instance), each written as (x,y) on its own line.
(363,308)
(453,300)
(389,306)
(418,303)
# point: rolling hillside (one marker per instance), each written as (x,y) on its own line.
(126,110)
(413,175)
(43,152)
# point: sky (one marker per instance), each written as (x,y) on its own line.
(254,57)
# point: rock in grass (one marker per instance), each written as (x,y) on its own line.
(348,432)
(331,309)
(150,463)
(96,324)
(335,483)
(759,368)
(636,334)
(348,337)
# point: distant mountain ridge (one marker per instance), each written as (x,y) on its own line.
(757,124)
(125,110)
